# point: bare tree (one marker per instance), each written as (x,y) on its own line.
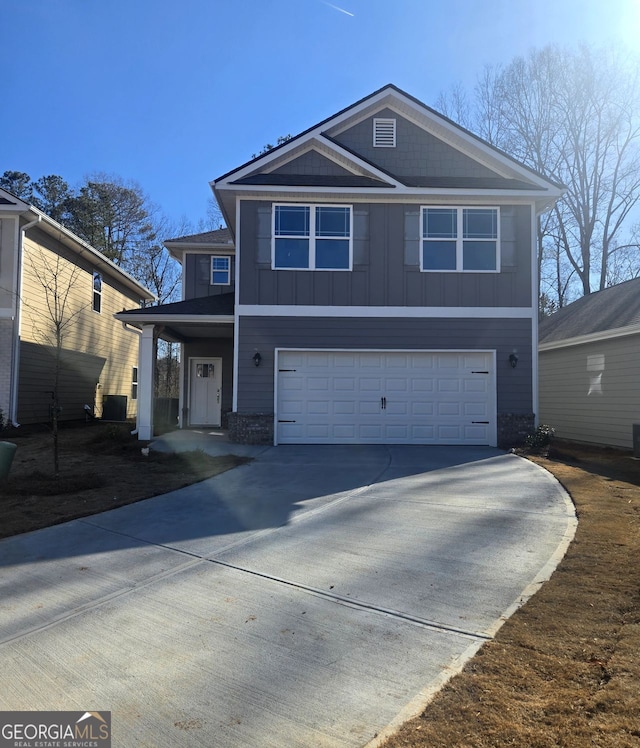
(57,279)
(574,116)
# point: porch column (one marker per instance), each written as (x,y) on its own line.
(146,368)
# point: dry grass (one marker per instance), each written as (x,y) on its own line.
(565,669)
(101,467)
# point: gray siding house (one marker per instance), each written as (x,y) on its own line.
(589,358)
(376,284)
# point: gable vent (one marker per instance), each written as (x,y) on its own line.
(384,133)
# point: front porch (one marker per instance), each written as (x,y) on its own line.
(204,329)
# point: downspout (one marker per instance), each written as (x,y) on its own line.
(131,328)
(13,396)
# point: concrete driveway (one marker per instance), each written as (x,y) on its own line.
(310,598)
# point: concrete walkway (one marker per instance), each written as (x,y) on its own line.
(310,598)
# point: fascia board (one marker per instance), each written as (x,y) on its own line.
(347,160)
(393,192)
(339,156)
(80,247)
(177,250)
(595,337)
(162,319)
(17,204)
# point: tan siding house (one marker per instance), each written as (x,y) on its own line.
(49,277)
(589,364)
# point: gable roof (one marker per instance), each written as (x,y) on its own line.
(612,312)
(502,173)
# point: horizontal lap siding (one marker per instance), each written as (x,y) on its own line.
(264,334)
(98,349)
(591,392)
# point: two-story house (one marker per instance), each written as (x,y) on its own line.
(377,283)
(58,296)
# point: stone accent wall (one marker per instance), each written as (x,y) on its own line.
(251,428)
(513,428)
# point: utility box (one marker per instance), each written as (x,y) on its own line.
(114,408)
(636,439)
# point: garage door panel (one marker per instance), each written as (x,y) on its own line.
(421,397)
(345,384)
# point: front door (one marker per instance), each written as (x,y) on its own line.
(205,391)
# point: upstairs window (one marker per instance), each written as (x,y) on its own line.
(384,133)
(97,292)
(312,237)
(460,240)
(220,271)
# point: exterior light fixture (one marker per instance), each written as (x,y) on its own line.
(513,360)
(257,358)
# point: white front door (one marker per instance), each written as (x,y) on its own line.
(205,391)
(386,397)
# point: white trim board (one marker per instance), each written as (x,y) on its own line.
(399,312)
(594,337)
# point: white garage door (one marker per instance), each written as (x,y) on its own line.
(386,397)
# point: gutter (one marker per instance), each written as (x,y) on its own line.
(15,373)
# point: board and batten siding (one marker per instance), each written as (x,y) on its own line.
(386,264)
(97,348)
(417,152)
(197,275)
(591,392)
(265,334)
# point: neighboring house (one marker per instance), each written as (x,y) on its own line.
(44,267)
(377,284)
(589,358)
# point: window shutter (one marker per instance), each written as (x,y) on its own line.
(412,237)
(384,133)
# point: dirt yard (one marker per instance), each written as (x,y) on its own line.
(564,671)
(101,467)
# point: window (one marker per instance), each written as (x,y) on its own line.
(460,239)
(220,271)
(384,133)
(312,237)
(134,383)
(97,292)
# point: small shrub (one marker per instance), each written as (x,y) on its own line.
(540,438)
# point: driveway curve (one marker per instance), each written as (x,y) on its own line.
(313,597)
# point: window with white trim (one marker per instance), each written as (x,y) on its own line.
(134,382)
(97,292)
(384,133)
(220,271)
(312,237)
(460,240)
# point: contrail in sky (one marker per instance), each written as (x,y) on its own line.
(342,10)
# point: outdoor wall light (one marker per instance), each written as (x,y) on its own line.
(513,360)
(257,358)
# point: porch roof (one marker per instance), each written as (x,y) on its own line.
(206,316)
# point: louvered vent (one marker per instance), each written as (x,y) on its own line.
(384,133)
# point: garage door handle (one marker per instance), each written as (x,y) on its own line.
(479,372)
(287,370)
(279,421)
(479,421)
(383,403)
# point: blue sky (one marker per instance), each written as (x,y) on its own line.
(174,94)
